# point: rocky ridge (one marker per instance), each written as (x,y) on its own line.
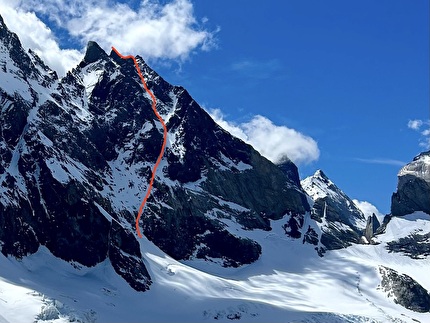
(341,222)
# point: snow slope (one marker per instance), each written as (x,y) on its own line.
(289,283)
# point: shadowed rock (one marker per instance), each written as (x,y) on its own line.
(405,290)
(413,188)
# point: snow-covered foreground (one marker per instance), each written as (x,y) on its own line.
(289,283)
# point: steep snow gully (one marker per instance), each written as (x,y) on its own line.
(163,146)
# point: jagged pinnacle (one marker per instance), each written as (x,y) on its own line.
(320,173)
(93,53)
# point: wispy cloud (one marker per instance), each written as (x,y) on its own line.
(151,29)
(383,161)
(274,142)
(423,127)
(257,69)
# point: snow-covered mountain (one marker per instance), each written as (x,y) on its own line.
(340,220)
(77,156)
(227,235)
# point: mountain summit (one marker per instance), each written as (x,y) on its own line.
(93,53)
(340,220)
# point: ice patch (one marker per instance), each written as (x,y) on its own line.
(11,82)
(90,80)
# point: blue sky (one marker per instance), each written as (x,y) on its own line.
(341,78)
(350,74)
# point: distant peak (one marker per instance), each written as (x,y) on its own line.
(421,155)
(93,52)
(321,174)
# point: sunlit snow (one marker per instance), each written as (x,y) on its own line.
(289,283)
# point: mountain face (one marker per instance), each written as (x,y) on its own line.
(413,187)
(413,195)
(405,290)
(77,155)
(341,222)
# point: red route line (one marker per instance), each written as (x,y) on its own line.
(154,108)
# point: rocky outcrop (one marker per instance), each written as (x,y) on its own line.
(125,256)
(413,187)
(341,222)
(404,290)
(415,245)
(372,226)
(311,236)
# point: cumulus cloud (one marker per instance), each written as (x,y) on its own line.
(423,127)
(415,124)
(34,34)
(276,143)
(152,30)
(368,209)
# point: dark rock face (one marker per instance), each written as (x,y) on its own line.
(372,226)
(334,238)
(413,187)
(405,290)
(293,226)
(342,223)
(383,226)
(93,53)
(193,228)
(416,246)
(311,236)
(265,194)
(290,169)
(218,245)
(77,155)
(126,258)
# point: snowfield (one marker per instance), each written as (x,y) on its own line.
(289,283)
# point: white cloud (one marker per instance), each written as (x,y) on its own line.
(274,142)
(154,31)
(417,125)
(34,34)
(425,142)
(368,209)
